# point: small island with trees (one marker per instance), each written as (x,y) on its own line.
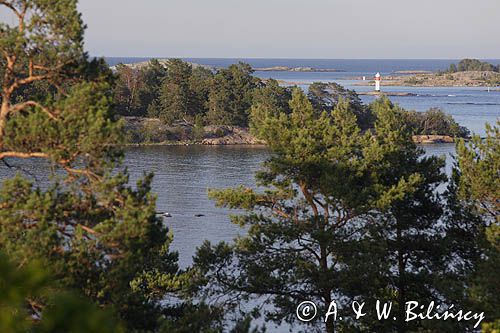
(176,102)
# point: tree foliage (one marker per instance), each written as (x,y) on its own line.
(466,65)
(92,231)
(434,122)
(478,181)
(137,90)
(348,207)
(325,184)
(21,293)
(479,165)
(182,93)
(230,96)
(325,96)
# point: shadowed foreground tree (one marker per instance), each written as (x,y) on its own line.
(479,166)
(477,176)
(92,231)
(403,255)
(23,289)
(344,215)
(325,182)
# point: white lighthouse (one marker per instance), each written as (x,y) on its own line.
(377,82)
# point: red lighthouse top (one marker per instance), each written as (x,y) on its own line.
(377,77)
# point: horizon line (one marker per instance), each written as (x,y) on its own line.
(282,58)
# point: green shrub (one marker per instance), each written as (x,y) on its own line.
(434,122)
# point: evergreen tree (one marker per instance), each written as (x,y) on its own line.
(152,76)
(30,303)
(272,99)
(92,231)
(479,165)
(478,189)
(127,91)
(475,65)
(433,122)
(324,184)
(199,86)
(470,279)
(136,90)
(230,96)
(401,253)
(324,97)
(175,93)
(273,96)
(184,92)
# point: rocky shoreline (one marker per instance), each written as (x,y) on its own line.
(151,132)
(458,79)
(297,69)
(386,93)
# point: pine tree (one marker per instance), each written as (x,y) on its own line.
(31,303)
(230,96)
(175,93)
(401,254)
(92,231)
(479,165)
(323,185)
(477,188)
(324,97)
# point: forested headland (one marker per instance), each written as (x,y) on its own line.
(348,207)
(173,101)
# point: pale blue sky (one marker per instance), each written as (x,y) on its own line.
(293,28)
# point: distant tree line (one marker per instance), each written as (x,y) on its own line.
(434,122)
(180,92)
(466,65)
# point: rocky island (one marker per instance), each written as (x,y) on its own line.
(458,79)
(468,73)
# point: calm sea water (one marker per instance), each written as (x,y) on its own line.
(183,175)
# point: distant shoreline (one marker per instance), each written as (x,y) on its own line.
(152,132)
(297,69)
(458,79)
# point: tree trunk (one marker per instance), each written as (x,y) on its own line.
(330,325)
(401,281)
(4,110)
